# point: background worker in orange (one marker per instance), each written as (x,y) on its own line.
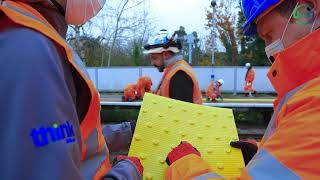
(130,93)
(50,116)
(178,81)
(213,91)
(144,85)
(250,75)
(290,146)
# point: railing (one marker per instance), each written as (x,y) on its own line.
(223,105)
(116,78)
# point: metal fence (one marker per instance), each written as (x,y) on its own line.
(116,78)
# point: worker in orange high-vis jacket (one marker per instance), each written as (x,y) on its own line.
(179,80)
(213,91)
(50,118)
(144,85)
(250,75)
(130,93)
(290,146)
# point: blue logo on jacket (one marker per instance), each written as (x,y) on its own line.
(55,133)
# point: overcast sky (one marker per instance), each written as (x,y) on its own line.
(171,14)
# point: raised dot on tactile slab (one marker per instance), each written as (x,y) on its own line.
(184,110)
(143,156)
(172,146)
(176,120)
(209,151)
(240,167)
(166,130)
(208,125)
(155,142)
(220,166)
(149,176)
(200,137)
(200,113)
(137,137)
(230,116)
(192,123)
(183,134)
(223,126)
(170,106)
(160,115)
(149,125)
(215,115)
(154,102)
(218,138)
(228,150)
(162,161)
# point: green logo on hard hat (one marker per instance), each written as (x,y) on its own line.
(303,14)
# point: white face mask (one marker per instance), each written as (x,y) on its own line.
(273,48)
(80,11)
(77,12)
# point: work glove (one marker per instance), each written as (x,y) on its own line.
(249,148)
(182,150)
(134,160)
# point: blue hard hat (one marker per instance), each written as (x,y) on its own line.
(252,9)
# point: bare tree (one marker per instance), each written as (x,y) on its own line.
(118,24)
(121,8)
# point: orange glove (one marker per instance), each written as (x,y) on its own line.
(134,160)
(179,152)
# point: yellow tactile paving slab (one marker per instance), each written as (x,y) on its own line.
(163,123)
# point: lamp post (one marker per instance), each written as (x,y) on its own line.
(213,4)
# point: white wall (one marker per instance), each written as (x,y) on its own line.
(115,79)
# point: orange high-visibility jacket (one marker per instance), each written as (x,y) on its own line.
(130,92)
(144,85)
(250,76)
(290,148)
(171,71)
(213,90)
(89,159)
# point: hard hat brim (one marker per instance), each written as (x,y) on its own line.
(161,50)
(249,28)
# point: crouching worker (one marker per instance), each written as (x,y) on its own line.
(213,91)
(144,85)
(130,93)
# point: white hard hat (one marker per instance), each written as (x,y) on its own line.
(221,81)
(160,43)
(248,65)
(76,12)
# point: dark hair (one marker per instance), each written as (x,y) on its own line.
(286,7)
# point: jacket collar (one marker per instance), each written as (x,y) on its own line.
(173,60)
(296,65)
